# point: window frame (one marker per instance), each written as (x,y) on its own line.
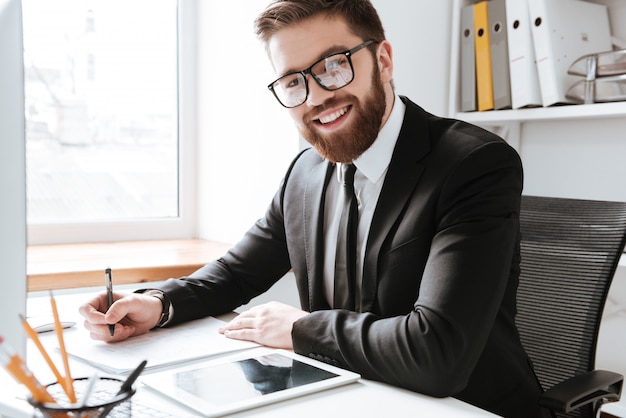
(184,225)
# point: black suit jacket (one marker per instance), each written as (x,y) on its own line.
(440,271)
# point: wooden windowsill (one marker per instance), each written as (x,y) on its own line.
(66,266)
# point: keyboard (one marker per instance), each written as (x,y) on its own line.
(139,409)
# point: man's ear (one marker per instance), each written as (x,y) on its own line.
(384,57)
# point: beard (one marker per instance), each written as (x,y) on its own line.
(347,145)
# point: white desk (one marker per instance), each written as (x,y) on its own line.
(364,398)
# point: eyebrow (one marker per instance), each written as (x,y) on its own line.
(335,49)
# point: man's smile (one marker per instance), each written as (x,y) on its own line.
(333,116)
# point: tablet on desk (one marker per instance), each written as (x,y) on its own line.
(247,380)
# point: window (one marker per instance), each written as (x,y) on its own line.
(103,109)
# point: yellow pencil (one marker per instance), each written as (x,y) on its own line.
(14,364)
(33,335)
(69,382)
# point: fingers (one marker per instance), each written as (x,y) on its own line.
(239,323)
(245,328)
(101,332)
(91,304)
(254,318)
(119,310)
(245,334)
(269,324)
(128,314)
(94,309)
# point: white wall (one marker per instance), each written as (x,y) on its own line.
(419,31)
(246,139)
(581,159)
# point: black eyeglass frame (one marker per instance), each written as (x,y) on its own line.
(304,73)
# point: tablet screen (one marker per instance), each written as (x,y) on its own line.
(245,381)
(231,382)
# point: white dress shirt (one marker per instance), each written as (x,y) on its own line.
(370,175)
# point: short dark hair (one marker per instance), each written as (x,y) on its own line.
(361,16)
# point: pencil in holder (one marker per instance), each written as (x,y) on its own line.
(105,399)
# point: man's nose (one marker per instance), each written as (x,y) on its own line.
(317,95)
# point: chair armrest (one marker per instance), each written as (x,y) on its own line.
(583,389)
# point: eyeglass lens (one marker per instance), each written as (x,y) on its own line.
(331,73)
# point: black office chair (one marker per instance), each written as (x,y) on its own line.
(570,249)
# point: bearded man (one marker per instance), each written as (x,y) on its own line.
(419,290)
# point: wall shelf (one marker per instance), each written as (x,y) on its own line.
(565,112)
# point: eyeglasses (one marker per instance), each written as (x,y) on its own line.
(330,73)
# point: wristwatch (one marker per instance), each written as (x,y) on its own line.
(165,304)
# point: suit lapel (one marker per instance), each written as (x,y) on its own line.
(401,180)
(314,200)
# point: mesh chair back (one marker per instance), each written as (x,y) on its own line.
(569,252)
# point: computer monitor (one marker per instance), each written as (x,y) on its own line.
(12,176)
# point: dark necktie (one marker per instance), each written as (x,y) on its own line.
(345,261)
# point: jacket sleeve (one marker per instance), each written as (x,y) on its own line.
(248,269)
(434,348)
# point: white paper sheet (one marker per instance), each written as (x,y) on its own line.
(160,347)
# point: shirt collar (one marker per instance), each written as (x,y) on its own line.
(374,161)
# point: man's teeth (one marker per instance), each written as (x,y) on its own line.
(334,116)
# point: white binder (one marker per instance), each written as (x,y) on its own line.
(468,61)
(564,30)
(525,90)
(499,54)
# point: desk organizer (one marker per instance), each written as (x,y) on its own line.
(604,77)
(103,401)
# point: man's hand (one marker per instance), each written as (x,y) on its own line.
(133,314)
(269,324)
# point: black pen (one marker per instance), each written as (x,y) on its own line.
(109,285)
(128,383)
(126,386)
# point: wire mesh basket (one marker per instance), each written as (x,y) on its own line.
(103,401)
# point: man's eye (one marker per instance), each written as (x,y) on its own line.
(335,63)
(295,82)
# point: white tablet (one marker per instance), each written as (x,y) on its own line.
(246,380)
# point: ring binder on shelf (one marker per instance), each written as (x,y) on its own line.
(563,30)
(468,60)
(501,77)
(484,78)
(523,68)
